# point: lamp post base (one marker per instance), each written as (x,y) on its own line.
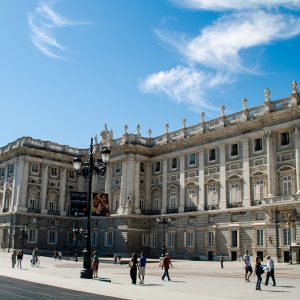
(87,274)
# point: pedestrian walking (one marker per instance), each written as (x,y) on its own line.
(248,267)
(59,255)
(119,260)
(221,261)
(95,264)
(13,258)
(166,266)
(19,259)
(258,272)
(142,267)
(115,258)
(133,264)
(270,271)
(55,255)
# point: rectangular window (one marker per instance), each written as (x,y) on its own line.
(171,239)
(212,154)
(211,239)
(285,138)
(174,163)
(286,237)
(192,159)
(234,238)
(32,235)
(145,239)
(157,167)
(234,150)
(259,237)
(142,167)
(258,144)
(52,237)
(71,174)
(153,239)
(94,239)
(108,239)
(142,204)
(258,189)
(190,236)
(35,168)
(53,171)
(52,206)
(10,170)
(287,186)
(118,168)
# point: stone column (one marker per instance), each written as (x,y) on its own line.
(4,186)
(23,204)
(17,185)
(164,187)
(297,157)
(271,165)
(108,182)
(44,192)
(122,201)
(182,184)
(62,192)
(246,173)
(223,183)
(136,191)
(201,181)
(148,200)
(129,194)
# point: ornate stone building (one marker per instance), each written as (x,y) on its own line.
(222,186)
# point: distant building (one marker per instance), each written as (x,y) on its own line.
(221,186)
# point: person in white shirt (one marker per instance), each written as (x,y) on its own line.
(248,267)
(270,271)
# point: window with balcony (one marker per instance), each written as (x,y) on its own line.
(52,237)
(258,189)
(189,239)
(287,185)
(286,237)
(153,239)
(32,235)
(171,239)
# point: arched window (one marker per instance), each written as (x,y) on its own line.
(173,198)
(191,196)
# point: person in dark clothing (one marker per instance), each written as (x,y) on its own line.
(222,260)
(133,264)
(166,265)
(258,272)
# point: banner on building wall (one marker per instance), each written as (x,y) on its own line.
(100,205)
(78,204)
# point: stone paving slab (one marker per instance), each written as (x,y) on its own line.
(190,280)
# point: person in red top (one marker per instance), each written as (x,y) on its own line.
(166,265)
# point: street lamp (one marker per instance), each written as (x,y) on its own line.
(90,167)
(163,221)
(76,232)
(288,226)
(23,236)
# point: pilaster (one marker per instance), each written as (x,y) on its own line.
(223,187)
(136,192)
(246,173)
(201,183)
(108,181)
(182,184)
(297,158)
(164,187)
(271,165)
(62,192)
(122,202)
(44,192)
(17,185)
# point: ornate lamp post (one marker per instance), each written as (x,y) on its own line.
(288,226)
(90,167)
(76,232)
(163,221)
(23,236)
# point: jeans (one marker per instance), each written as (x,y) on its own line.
(166,273)
(258,282)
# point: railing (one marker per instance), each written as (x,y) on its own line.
(188,209)
(212,207)
(34,210)
(280,104)
(52,212)
(150,212)
(171,210)
(234,204)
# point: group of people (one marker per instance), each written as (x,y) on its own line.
(57,255)
(17,258)
(259,269)
(139,267)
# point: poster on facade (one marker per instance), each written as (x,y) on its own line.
(78,204)
(100,205)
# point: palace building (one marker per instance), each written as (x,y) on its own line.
(215,188)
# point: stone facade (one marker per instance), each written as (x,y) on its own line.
(221,186)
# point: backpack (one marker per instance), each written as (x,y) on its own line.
(262,271)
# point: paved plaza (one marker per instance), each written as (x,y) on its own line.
(189,279)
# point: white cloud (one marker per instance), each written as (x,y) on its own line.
(42,23)
(218,49)
(221,5)
(184,85)
(219,45)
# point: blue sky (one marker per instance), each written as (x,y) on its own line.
(69,66)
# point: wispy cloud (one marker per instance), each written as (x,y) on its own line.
(217,5)
(42,23)
(215,54)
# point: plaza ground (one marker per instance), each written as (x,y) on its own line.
(190,279)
